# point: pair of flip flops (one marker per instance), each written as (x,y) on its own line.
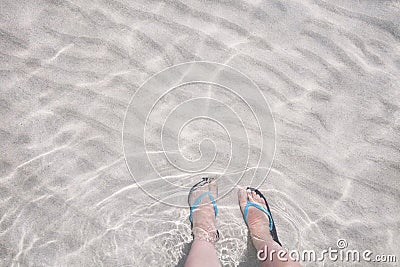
(249,204)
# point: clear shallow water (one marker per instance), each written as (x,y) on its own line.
(330,72)
(195,120)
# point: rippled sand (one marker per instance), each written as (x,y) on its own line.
(330,71)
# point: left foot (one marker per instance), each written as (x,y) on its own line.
(203,216)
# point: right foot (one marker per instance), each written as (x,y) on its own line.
(258,221)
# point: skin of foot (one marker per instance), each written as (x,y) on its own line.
(204,215)
(258,221)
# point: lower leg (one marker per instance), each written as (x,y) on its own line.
(202,253)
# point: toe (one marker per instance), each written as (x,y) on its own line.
(259,200)
(242,197)
(196,193)
(251,195)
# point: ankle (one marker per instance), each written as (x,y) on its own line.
(261,243)
(259,239)
(270,251)
(209,234)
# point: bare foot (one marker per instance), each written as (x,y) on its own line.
(203,217)
(258,221)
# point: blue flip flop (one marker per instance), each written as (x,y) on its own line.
(197,201)
(272,228)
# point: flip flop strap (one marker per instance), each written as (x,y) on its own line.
(252,204)
(198,200)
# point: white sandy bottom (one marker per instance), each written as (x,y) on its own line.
(330,72)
